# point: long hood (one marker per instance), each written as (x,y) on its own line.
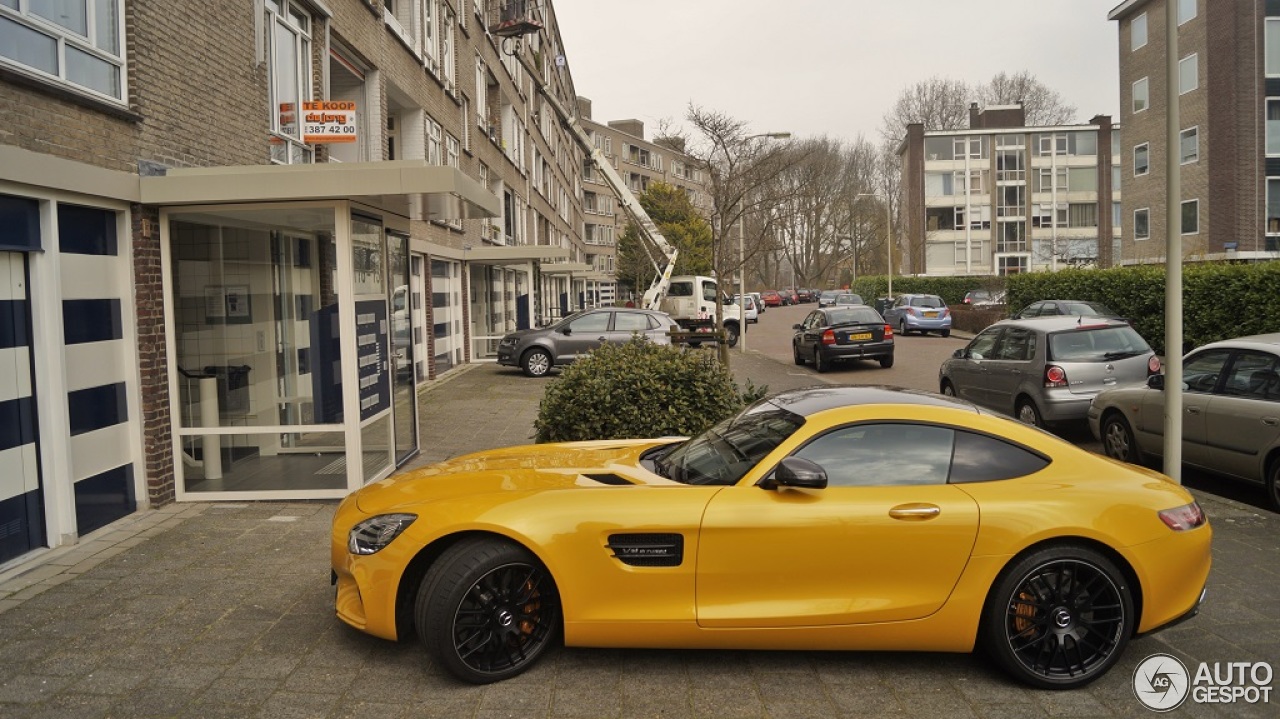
(515,469)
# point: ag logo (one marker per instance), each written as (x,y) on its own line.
(1161,682)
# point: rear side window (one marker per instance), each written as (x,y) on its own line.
(980,458)
(631,322)
(1096,344)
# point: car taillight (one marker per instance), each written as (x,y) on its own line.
(888,332)
(828,337)
(1180,519)
(946,311)
(1055,376)
(1153,365)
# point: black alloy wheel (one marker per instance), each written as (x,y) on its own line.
(1059,618)
(487,610)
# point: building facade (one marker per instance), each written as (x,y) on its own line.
(1228,146)
(1000,198)
(235,240)
(639,162)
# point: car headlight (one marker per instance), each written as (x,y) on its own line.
(377,532)
(508,342)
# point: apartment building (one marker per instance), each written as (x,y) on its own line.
(235,237)
(1228,146)
(639,162)
(1000,198)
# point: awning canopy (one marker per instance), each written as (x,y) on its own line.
(567,268)
(512,254)
(410,188)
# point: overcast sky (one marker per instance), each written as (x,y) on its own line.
(826,67)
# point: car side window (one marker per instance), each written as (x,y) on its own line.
(1017,345)
(680,289)
(981,458)
(1201,371)
(594,322)
(1032,310)
(984,345)
(1253,375)
(877,455)
(630,322)
(813,320)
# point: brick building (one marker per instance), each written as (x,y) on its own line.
(203,297)
(1228,146)
(1000,197)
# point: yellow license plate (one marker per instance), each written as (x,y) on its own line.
(861,336)
(931,314)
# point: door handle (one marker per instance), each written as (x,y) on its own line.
(916,512)
(1193,410)
(1271,421)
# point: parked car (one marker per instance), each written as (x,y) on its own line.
(827,298)
(536,351)
(984,298)
(978,532)
(1047,369)
(789,297)
(919,313)
(1230,418)
(749,310)
(804,295)
(1077,308)
(772,298)
(848,298)
(839,334)
(759,301)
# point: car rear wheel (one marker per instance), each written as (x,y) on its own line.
(946,333)
(487,610)
(1118,440)
(1030,414)
(536,363)
(902,328)
(731,334)
(886,362)
(1059,618)
(1273,484)
(820,364)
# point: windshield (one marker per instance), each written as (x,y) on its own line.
(727,451)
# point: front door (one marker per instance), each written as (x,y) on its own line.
(21,502)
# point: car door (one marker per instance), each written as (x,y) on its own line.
(1242,421)
(1014,363)
(630,324)
(582,335)
(969,373)
(1201,374)
(808,336)
(886,540)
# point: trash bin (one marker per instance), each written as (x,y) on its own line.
(233,387)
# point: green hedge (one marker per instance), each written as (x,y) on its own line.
(636,390)
(1220,300)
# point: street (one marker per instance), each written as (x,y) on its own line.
(916,362)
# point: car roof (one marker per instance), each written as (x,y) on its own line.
(1270,342)
(1057,323)
(811,400)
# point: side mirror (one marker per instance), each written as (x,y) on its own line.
(565,330)
(799,473)
(958,354)
(797,327)
(1156,381)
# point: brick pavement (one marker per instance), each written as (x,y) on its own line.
(224,609)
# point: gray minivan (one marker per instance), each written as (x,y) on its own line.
(1047,369)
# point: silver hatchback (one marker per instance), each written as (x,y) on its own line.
(1046,370)
(537,351)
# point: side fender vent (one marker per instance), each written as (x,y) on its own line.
(648,550)
(612,479)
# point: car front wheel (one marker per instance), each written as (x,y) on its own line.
(948,389)
(1059,618)
(1118,440)
(487,610)
(795,354)
(537,363)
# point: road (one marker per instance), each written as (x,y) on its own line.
(916,362)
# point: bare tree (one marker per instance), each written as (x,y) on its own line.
(938,103)
(1042,105)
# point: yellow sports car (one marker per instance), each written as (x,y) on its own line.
(826,518)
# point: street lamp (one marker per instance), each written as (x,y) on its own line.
(888,231)
(742,249)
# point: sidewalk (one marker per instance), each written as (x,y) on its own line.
(225,609)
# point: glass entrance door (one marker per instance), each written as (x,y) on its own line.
(21,500)
(403,385)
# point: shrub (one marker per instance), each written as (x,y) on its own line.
(638,389)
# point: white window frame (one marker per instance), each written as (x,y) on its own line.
(1146,95)
(447,43)
(1271,31)
(1181,208)
(1186,11)
(482,94)
(434,142)
(1192,61)
(1145,211)
(1271,132)
(1145,146)
(1138,22)
(103,42)
(1193,131)
(430,33)
(287,18)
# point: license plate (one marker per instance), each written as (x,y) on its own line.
(860,336)
(931,314)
